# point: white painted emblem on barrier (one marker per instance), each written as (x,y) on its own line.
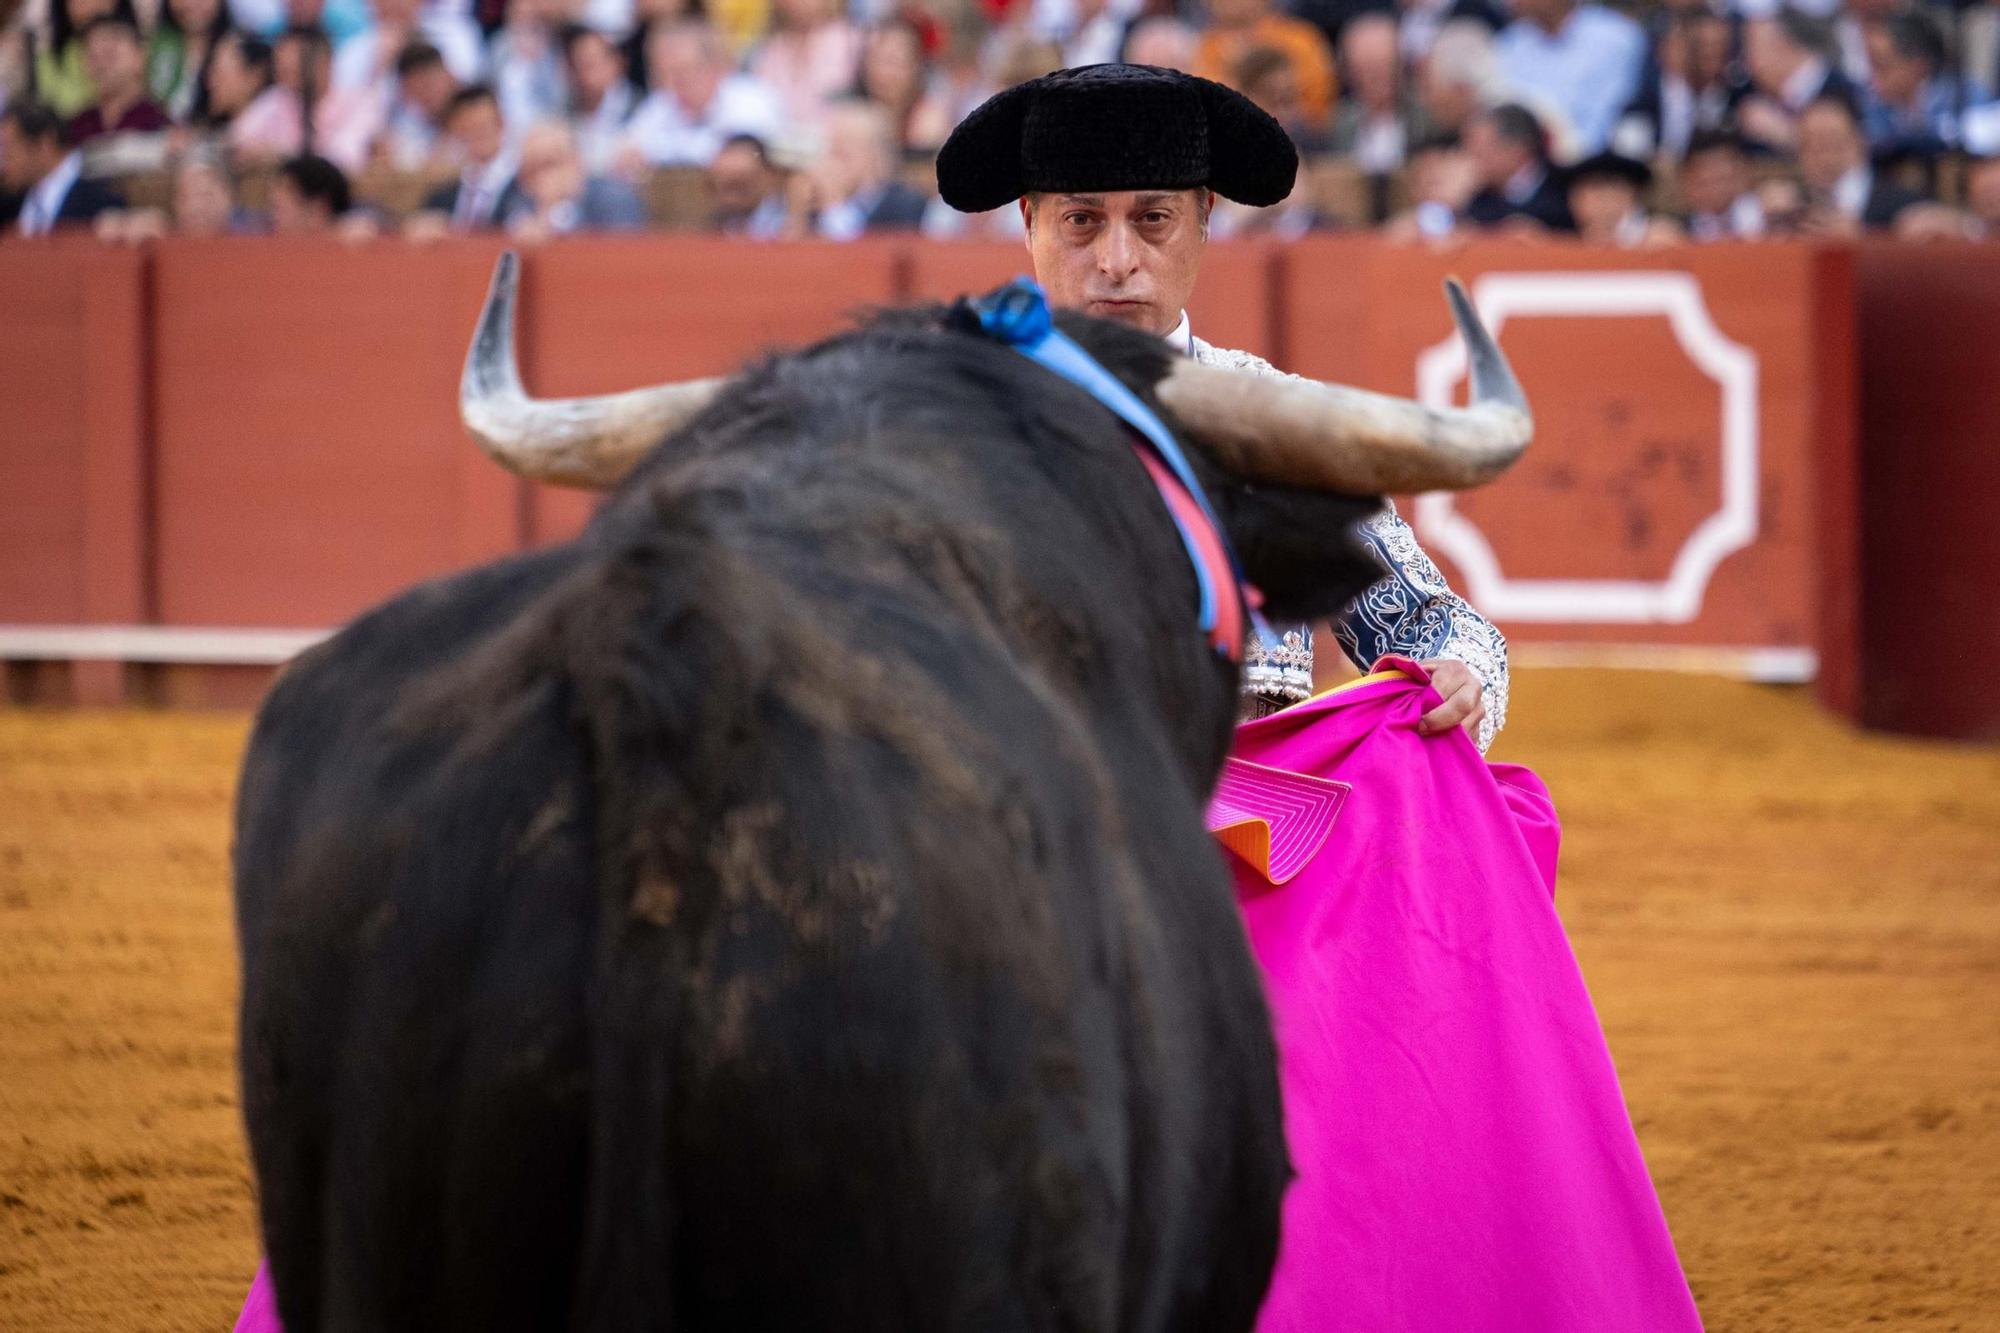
(1676,297)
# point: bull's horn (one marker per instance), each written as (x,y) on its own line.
(587,442)
(1332,438)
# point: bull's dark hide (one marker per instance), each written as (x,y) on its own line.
(787,905)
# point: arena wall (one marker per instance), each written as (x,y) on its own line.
(212,451)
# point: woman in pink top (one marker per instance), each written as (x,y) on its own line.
(811,56)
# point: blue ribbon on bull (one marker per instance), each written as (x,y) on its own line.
(1018,315)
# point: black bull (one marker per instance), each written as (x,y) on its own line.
(786,905)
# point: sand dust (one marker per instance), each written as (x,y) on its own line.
(1792,933)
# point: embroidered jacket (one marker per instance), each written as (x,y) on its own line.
(1412,611)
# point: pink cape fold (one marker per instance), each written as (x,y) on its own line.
(1463,1154)
(260,1306)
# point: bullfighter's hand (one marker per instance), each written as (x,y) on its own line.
(1464,699)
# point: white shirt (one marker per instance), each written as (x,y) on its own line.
(1850,192)
(45,200)
(599,132)
(668,135)
(1181,336)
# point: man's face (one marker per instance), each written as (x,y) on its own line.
(23,161)
(1599,204)
(477,129)
(201,201)
(1495,158)
(739,181)
(292,214)
(115,61)
(1711,181)
(1128,255)
(680,63)
(1829,146)
(550,169)
(1895,77)
(1769,55)
(593,66)
(428,88)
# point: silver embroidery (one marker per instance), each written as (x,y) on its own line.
(1412,611)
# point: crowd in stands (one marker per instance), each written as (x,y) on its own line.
(1626,124)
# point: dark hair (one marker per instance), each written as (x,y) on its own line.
(1840,102)
(33,121)
(216,26)
(470,95)
(415,56)
(1712,141)
(753,143)
(1516,124)
(117,22)
(1808,33)
(318,179)
(572,33)
(63,29)
(256,53)
(310,35)
(1916,37)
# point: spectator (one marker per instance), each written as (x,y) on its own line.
(42,176)
(1267,78)
(1510,162)
(1788,60)
(1684,93)
(1165,42)
(811,55)
(749,192)
(1237,25)
(1850,34)
(183,44)
(1844,196)
(1423,20)
(239,72)
(652,15)
(487,191)
(204,200)
(1583,58)
(1715,187)
(895,76)
(1606,194)
(309,197)
(1370,127)
(116,59)
(1913,101)
(855,180)
(1089,32)
(62,81)
(601,98)
(1442,182)
(696,102)
(412,137)
(302,113)
(369,60)
(1298,214)
(1457,80)
(558,197)
(525,62)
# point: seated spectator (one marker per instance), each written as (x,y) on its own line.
(309,197)
(1851,21)
(1585,59)
(1234,26)
(1715,187)
(1912,103)
(1165,42)
(748,190)
(204,199)
(412,137)
(1685,92)
(854,182)
(487,191)
(696,101)
(239,72)
(183,43)
(525,62)
(810,55)
(344,121)
(1370,126)
(1457,80)
(1844,196)
(1517,185)
(1606,194)
(558,197)
(1789,58)
(41,177)
(1442,181)
(369,60)
(649,17)
(601,98)
(341,20)
(116,59)
(1421,21)
(1089,32)
(1296,215)
(62,82)
(1267,78)
(896,77)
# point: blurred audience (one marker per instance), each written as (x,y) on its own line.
(413,129)
(1163,41)
(696,102)
(1913,100)
(1371,126)
(1442,181)
(747,191)
(601,97)
(558,196)
(115,56)
(309,196)
(1606,195)
(486,192)
(1517,184)
(303,113)
(1583,58)
(810,55)
(896,77)
(1685,90)
(42,176)
(1235,26)
(238,73)
(1844,194)
(1716,189)
(524,61)
(183,43)
(854,181)
(62,79)
(1456,80)
(1790,60)
(370,60)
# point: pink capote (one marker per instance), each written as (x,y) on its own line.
(1465,1163)
(1464,1159)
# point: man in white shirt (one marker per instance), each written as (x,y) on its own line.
(1585,59)
(41,183)
(369,60)
(485,194)
(696,103)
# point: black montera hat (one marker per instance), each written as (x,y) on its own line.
(1116,127)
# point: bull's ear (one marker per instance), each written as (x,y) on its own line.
(1301,549)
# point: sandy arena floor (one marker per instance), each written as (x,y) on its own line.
(1793,936)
